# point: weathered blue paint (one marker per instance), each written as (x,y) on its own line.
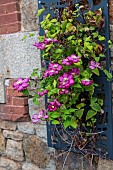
(105,139)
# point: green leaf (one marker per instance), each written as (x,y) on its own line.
(96,71)
(69,27)
(40,11)
(54,83)
(73,122)
(48,16)
(36,101)
(110,42)
(78,86)
(55,115)
(79,113)
(90,47)
(64,116)
(66,123)
(54,20)
(64,23)
(92,28)
(58,50)
(95,106)
(71,110)
(49,87)
(93,100)
(101,38)
(79,106)
(66,111)
(100,101)
(95,34)
(90,114)
(25,92)
(55,122)
(109,75)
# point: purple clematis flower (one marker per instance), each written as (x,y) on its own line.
(42,45)
(74,59)
(49,40)
(37,117)
(21,84)
(74,71)
(42,93)
(66,62)
(71,60)
(53,106)
(64,91)
(86,82)
(39,45)
(94,65)
(65,81)
(53,69)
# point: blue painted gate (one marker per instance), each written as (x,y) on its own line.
(105,121)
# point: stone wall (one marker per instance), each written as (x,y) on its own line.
(23,147)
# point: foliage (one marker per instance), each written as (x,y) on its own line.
(73,47)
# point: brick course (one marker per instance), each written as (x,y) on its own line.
(16,107)
(10,17)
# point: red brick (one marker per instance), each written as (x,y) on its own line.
(12,93)
(7,1)
(10,18)
(13,27)
(12,7)
(19,118)
(2,9)
(3,29)
(10,109)
(5,116)
(20,101)
(9,100)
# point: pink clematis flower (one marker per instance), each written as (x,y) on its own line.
(49,40)
(94,65)
(42,93)
(39,45)
(42,45)
(53,106)
(65,81)
(21,84)
(64,91)
(53,69)
(71,60)
(74,71)
(86,82)
(37,117)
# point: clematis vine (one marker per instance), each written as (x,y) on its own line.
(64,91)
(37,117)
(53,106)
(39,45)
(65,81)
(94,65)
(21,84)
(74,71)
(49,40)
(42,45)
(71,60)
(53,69)
(42,93)
(86,82)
